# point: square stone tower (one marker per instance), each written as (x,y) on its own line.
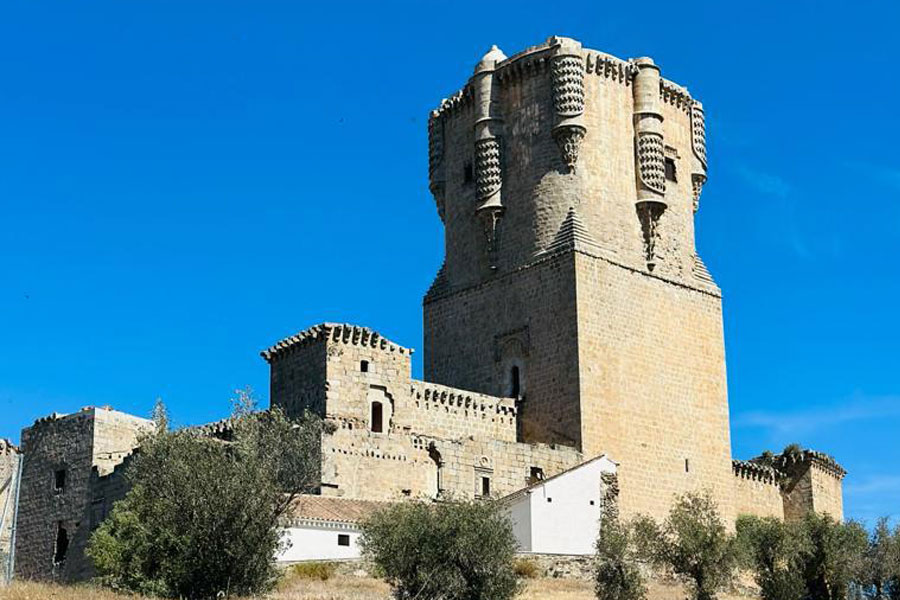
(69,483)
(567,181)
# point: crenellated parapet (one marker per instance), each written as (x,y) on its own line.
(793,462)
(746,469)
(807,481)
(342,333)
(451,413)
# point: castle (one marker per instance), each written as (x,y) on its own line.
(572,316)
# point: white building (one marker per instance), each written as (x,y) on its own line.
(561,514)
(324,528)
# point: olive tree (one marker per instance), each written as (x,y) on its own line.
(451,550)
(833,557)
(202,514)
(693,543)
(774,551)
(879,568)
(617,574)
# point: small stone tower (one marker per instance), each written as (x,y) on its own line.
(567,181)
(71,476)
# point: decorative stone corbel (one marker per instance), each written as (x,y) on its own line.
(488,132)
(567,72)
(649,153)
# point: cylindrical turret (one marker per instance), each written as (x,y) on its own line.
(488,130)
(650,154)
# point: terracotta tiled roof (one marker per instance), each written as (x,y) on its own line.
(327,509)
(338,332)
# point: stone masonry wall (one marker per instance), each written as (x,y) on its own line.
(756,491)
(653,387)
(297,380)
(64,457)
(434,439)
(51,513)
(526,318)
(536,187)
(827,491)
(9,466)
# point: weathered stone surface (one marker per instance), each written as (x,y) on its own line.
(69,482)
(9,465)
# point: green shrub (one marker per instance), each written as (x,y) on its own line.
(202,514)
(693,543)
(451,550)
(314,570)
(527,568)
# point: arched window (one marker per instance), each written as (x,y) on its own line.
(515,384)
(377,417)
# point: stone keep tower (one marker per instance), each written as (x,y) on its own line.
(567,181)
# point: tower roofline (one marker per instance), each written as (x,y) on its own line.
(597,61)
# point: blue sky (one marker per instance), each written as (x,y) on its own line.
(183,183)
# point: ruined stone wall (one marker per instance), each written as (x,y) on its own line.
(64,457)
(49,513)
(9,466)
(106,490)
(653,385)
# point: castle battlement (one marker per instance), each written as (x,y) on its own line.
(335,332)
(746,469)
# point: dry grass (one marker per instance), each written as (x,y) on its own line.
(344,587)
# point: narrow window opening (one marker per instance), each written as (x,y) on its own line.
(62,545)
(377,417)
(670,170)
(687,465)
(438,463)
(537,474)
(485,486)
(343,539)
(592,502)
(467,173)
(514,382)
(549,499)
(59,481)
(364,366)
